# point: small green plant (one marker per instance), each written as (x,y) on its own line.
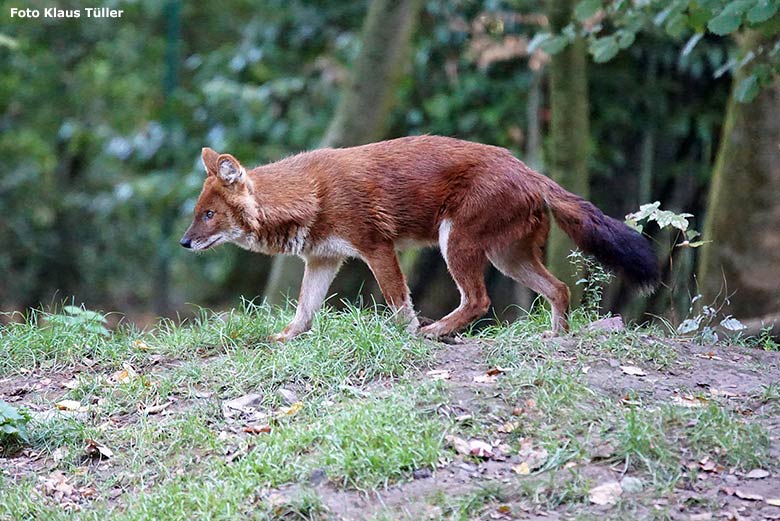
(701,321)
(13,426)
(77,317)
(593,278)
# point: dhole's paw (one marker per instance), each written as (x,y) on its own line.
(284,336)
(549,334)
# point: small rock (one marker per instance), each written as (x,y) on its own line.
(288,397)
(317,476)
(631,485)
(607,325)
(606,493)
(422,473)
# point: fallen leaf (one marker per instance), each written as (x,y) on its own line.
(241,405)
(534,458)
(439,374)
(289,397)
(509,427)
(95,449)
(688,401)
(757,474)
(523,469)
(585,369)
(460,445)
(292,410)
(748,496)
(480,449)
(257,429)
(633,370)
(70,405)
(141,345)
(708,356)
(606,493)
(71,384)
(495,371)
(485,379)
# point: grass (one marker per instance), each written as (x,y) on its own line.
(369,418)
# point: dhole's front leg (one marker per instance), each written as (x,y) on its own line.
(317,277)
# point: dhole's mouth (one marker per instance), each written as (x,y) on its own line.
(208,245)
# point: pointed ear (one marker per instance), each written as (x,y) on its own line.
(209,158)
(230,170)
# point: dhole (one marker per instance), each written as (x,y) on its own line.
(478,203)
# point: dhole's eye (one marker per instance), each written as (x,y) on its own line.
(208,215)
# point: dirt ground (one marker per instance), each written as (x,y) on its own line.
(736,374)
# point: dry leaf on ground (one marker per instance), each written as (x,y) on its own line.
(439,374)
(606,493)
(633,370)
(70,405)
(94,449)
(757,474)
(748,496)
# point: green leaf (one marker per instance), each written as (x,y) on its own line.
(604,49)
(676,24)
(586,9)
(747,89)
(730,18)
(73,310)
(547,42)
(762,11)
(625,39)
(732,324)
(724,24)
(688,326)
(555,44)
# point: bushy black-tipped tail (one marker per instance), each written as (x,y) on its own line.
(614,244)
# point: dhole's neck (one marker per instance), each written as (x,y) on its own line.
(281,207)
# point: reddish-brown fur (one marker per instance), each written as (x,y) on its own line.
(478,201)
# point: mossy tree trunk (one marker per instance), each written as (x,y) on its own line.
(743,216)
(569,141)
(362,113)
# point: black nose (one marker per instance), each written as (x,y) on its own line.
(185,242)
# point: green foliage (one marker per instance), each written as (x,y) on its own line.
(13,426)
(593,278)
(80,319)
(613,26)
(664,219)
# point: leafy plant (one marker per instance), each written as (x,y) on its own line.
(13,425)
(701,320)
(610,27)
(80,318)
(665,219)
(592,277)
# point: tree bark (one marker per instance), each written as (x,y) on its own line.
(743,207)
(361,115)
(569,142)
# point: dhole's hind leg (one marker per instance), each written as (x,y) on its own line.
(522,261)
(466,265)
(383,262)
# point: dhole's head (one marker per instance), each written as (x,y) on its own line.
(218,212)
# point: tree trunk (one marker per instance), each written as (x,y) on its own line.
(743,208)
(568,148)
(362,112)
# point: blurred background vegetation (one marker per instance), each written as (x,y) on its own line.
(102,122)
